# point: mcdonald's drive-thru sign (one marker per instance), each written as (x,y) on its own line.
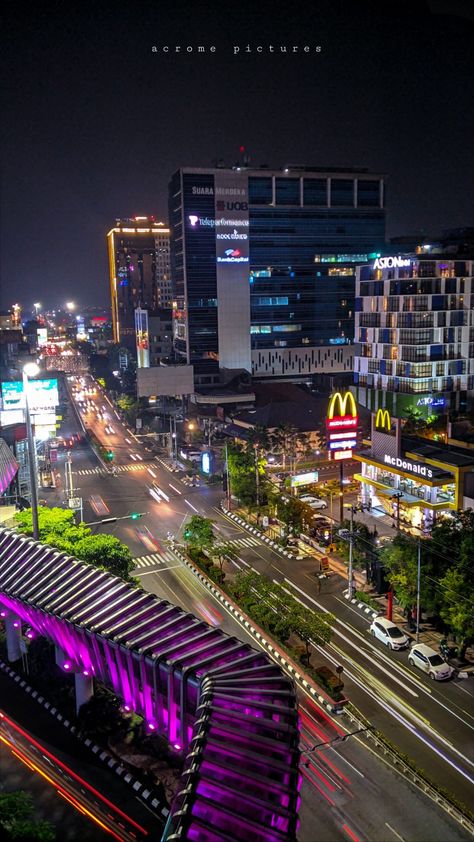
(341,424)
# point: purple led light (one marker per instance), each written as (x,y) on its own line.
(177,746)
(67,666)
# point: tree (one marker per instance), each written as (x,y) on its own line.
(198,532)
(242,473)
(311,627)
(284,439)
(54,520)
(220,552)
(129,406)
(258,440)
(456,610)
(415,423)
(17,819)
(106,551)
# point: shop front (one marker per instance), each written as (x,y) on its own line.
(411,481)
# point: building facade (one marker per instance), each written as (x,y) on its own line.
(139,269)
(412,480)
(414,332)
(263,265)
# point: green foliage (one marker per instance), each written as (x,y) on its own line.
(57,528)
(198,532)
(364,546)
(129,406)
(106,551)
(279,612)
(447,573)
(54,520)
(101,715)
(17,819)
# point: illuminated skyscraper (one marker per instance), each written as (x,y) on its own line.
(139,267)
(263,265)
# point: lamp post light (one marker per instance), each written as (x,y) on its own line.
(31,370)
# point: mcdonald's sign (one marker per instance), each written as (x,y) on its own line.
(341,424)
(383,421)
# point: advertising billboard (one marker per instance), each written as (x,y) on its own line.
(42,394)
(42,336)
(142,338)
(341,425)
(304,479)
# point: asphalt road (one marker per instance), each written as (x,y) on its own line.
(337,779)
(48,763)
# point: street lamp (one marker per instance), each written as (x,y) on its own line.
(37,307)
(70,305)
(31,370)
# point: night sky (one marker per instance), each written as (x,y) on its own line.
(94,123)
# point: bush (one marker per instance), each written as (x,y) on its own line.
(364,597)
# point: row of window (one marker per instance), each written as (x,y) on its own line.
(337,192)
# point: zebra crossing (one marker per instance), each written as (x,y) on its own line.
(154,560)
(102,472)
(248,541)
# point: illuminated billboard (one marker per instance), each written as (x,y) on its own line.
(304,479)
(42,394)
(142,338)
(42,336)
(341,425)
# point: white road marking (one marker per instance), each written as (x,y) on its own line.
(191,505)
(394,832)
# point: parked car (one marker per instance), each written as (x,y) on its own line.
(427,660)
(314,502)
(389,633)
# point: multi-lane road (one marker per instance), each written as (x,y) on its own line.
(345,784)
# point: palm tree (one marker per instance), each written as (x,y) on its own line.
(258,439)
(285,439)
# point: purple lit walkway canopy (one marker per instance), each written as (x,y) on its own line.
(227,706)
(8,466)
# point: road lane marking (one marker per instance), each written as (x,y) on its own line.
(191,505)
(175,489)
(394,832)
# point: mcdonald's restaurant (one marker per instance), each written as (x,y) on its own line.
(412,480)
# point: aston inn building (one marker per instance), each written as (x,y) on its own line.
(414,334)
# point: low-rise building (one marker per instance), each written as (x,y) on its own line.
(413,479)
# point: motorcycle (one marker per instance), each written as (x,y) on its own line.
(446,651)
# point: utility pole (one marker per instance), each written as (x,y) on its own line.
(351,555)
(31,369)
(256,476)
(418,584)
(341,490)
(229,498)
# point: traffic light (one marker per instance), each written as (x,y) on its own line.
(187,534)
(135,515)
(109,455)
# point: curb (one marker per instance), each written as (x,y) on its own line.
(287,665)
(362,606)
(266,540)
(107,759)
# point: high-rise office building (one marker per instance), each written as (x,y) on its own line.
(263,265)
(414,330)
(139,266)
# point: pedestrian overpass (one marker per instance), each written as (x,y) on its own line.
(227,707)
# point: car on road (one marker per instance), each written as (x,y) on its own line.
(387,632)
(427,660)
(313,502)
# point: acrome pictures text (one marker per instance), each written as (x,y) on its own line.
(236,49)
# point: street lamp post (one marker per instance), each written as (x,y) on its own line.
(418,584)
(31,370)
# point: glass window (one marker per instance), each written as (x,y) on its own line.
(315,191)
(260,190)
(342,192)
(368,193)
(287,191)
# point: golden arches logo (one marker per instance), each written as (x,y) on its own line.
(345,403)
(383,421)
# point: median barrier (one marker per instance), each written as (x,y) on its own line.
(255,631)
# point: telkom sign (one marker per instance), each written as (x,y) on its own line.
(391,263)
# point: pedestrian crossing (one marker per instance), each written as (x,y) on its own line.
(154,560)
(248,541)
(103,472)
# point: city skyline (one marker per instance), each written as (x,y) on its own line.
(98,122)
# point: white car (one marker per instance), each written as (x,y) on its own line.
(389,633)
(426,659)
(314,502)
